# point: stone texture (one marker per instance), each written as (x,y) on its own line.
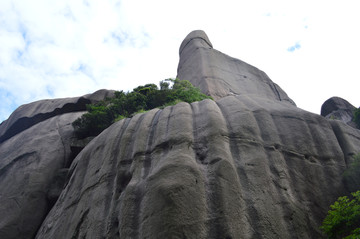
(337,108)
(34,154)
(248,165)
(240,167)
(30,114)
(220,75)
(29,162)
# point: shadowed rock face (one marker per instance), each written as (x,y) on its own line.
(29,162)
(34,154)
(248,165)
(337,108)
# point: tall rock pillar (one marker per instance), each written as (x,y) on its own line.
(220,75)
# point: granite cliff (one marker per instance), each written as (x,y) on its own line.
(248,165)
(36,150)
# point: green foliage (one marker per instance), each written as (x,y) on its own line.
(352,174)
(343,220)
(141,99)
(93,122)
(357,117)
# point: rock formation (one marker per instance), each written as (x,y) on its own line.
(219,75)
(34,156)
(248,165)
(337,108)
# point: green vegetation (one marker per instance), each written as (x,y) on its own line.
(141,99)
(343,220)
(357,117)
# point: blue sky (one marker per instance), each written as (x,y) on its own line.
(51,49)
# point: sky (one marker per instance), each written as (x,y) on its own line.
(54,49)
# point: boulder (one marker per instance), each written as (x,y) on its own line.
(30,114)
(29,163)
(337,108)
(35,152)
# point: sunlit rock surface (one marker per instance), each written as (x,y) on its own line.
(220,75)
(248,165)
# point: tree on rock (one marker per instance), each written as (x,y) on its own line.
(343,220)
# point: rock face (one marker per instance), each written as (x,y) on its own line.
(339,109)
(237,168)
(34,154)
(219,75)
(248,165)
(30,114)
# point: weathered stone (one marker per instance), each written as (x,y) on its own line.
(57,185)
(29,162)
(34,150)
(30,114)
(337,108)
(248,165)
(220,75)
(241,167)
(76,145)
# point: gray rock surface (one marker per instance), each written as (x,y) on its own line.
(248,165)
(220,75)
(29,162)
(240,167)
(30,114)
(34,154)
(337,108)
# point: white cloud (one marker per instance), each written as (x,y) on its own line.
(68,48)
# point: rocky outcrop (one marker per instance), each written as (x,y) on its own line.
(30,114)
(34,154)
(220,75)
(248,165)
(337,108)
(239,167)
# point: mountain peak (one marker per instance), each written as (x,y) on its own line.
(219,75)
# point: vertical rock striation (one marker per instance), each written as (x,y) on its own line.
(240,167)
(248,165)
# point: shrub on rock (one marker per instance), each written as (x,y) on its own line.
(142,98)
